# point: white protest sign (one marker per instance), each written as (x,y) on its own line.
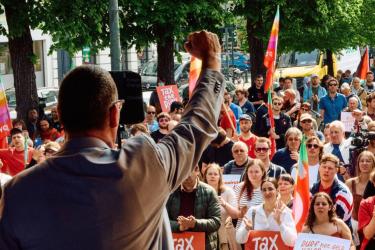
(231,180)
(320,242)
(348,120)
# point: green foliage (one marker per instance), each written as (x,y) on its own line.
(150,21)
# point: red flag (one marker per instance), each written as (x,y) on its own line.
(195,70)
(272,122)
(364,66)
(301,199)
(270,57)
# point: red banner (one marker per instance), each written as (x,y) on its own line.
(189,241)
(5,121)
(167,94)
(259,240)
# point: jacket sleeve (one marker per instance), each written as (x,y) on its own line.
(288,228)
(8,240)
(242,234)
(181,150)
(212,221)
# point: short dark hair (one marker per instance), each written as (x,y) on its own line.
(15,131)
(288,78)
(85,97)
(176,106)
(163,115)
(19,121)
(259,76)
(369,73)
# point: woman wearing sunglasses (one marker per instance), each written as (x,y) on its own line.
(314,149)
(322,219)
(214,178)
(271,215)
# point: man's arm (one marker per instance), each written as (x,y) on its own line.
(181,150)
(8,240)
(212,222)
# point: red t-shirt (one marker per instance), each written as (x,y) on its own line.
(13,160)
(364,216)
(250,145)
(225,122)
(327,191)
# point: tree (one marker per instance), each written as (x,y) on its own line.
(21,54)
(304,26)
(166,23)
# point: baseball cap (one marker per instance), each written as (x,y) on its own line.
(314,75)
(306,117)
(245,117)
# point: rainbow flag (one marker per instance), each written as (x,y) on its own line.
(272,122)
(195,70)
(364,66)
(5,121)
(270,57)
(301,200)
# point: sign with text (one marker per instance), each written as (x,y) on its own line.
(348,120)
(320,242)
(270,240)
(189,241)
(167,94)
(231,180)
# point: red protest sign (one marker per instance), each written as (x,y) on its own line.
(167,94)
(189,240)
(265,240)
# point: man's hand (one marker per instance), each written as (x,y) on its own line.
(205,46)
(294,155)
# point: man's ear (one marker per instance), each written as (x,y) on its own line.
(114,116)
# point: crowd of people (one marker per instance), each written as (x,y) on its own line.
(341,175)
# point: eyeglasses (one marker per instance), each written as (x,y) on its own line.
(306,121)
(258,150)
(151,112)
(238,151)
(309,145)
(277,104)
(323,204)
(270,189)
(120,102)
(332,84)
(305,109)
(163,120)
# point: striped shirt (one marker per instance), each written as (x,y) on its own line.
(243,201)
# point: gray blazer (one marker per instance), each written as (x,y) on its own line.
(92,197)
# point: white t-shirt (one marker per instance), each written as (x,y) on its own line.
(313,174)
(4,178)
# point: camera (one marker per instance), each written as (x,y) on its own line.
(361,139)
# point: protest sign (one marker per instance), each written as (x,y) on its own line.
(271,240)
(320,242)
(231,180)
(348,120)
(167,94)
(189,241)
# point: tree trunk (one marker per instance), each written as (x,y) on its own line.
(331,71)
(256,45)
(21,55)
(166,61)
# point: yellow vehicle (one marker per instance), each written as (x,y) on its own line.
(299,65)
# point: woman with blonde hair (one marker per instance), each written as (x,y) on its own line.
(357,185)
(322,219)
(214,177)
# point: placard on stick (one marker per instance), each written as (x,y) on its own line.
(189,241)
(167,94)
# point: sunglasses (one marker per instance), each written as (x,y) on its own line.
(309,145)
(306,121)
(151,113)
(332,84)
(277,103)
(270,189)
(258,150)
(293,139)
(163,120)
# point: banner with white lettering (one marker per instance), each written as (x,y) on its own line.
(231,180)
(189,241)
(348,120)
(167,94)
(320,242)
(265,240)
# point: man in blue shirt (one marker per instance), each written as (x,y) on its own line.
(333,103)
